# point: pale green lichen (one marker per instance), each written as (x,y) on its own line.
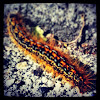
(38,32)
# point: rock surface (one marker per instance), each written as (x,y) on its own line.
(63,21)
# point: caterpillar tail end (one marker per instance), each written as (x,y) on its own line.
(88,84)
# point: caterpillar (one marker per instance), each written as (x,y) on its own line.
(50,56)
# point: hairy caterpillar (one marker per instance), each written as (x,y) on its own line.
(50,56)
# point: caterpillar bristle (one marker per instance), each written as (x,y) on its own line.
(89,82)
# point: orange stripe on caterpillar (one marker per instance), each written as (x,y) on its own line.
(51,59)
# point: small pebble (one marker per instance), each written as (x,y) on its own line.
(9,82)
(22,65)
(44,80)
(50,83)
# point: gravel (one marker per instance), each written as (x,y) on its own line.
(26,78)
